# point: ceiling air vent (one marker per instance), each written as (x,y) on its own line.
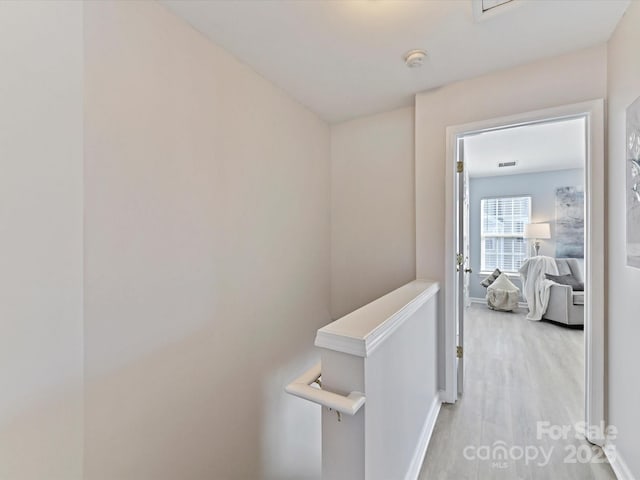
(484,9)
(506,164)
(489,4)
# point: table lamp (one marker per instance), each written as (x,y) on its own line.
(537,231)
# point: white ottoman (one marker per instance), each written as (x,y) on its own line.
(503,295)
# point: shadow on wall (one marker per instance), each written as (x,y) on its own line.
(26,446)
(177,414)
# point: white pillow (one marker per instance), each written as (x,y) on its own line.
(503,283)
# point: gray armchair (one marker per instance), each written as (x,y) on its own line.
(565,305)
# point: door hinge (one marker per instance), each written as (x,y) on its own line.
(459,352)
(460,167)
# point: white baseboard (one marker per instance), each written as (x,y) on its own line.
(484,302)
(618,465)
(423,442)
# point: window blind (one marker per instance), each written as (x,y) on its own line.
(502,229)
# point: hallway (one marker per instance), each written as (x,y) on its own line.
(194,192)
(517,373)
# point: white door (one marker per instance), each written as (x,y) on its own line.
(462,259)
(466,237)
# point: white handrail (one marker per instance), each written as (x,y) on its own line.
(301,387)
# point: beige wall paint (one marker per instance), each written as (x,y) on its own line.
(41,240)
(207,257)
(623,281)
(372,208)
(557,81)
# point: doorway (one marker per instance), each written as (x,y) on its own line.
(458,271)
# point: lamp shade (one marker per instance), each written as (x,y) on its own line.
(537,230)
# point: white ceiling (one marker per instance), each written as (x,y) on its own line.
(343,58)
(535,148)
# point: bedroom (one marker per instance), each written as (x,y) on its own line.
(526,188)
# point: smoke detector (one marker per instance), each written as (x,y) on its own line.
(414,58)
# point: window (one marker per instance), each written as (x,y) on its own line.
(502,229)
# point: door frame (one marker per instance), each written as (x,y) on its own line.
(593,112)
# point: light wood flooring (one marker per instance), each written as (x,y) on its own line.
(517,372)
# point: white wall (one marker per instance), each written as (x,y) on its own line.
(397,372)
(41,240)
(561,80)
(207,257)
(401,377)
(623,282)
(372,208)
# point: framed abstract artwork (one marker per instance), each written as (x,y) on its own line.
(570,222)
(633,184)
